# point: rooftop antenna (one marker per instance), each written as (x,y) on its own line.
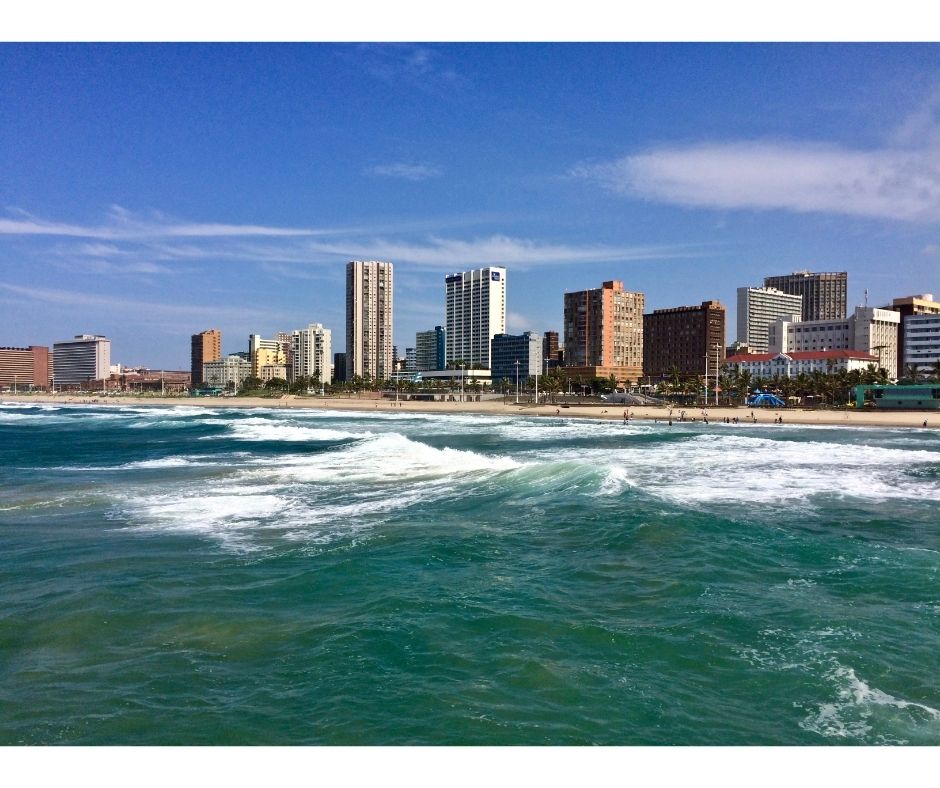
(866,297)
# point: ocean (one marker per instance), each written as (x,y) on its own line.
(193,576)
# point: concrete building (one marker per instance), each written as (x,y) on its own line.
(475,307)
(909,306)
(603,330)
(758,309)
(77,361)
(430,349)
(868,330)
(369,299)
(25,368)
(227,373)
(681,337)
(791,365)
(265,352)
(311,350)
(507,349)
(921,344)
(825,295)
(204,347)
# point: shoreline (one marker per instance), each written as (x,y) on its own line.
(611,412)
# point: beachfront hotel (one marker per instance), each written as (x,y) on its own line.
(907,307)
(475,304)
(824,295)
(85,358)
(516,357)
(688,339)
(205,346)
(869,330)
(227,373)
(758,309)
(603,330)
(430,350)
(24,368)
(369,298)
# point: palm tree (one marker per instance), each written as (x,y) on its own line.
(935,372)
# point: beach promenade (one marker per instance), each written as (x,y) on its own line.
(613,411)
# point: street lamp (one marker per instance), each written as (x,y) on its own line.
(461,381)
(517,381)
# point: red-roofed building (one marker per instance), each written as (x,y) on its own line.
(790,365)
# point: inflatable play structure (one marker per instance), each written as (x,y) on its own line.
(764,399)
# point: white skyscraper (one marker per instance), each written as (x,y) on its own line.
(476,312)
(369,319)
(758,309)
(311,353)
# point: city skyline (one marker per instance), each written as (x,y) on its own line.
(151,192)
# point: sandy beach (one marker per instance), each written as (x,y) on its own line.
(613,411)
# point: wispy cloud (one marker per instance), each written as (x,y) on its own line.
(450,253)
(123,225)
(419,66)
(408,172)
(122,305)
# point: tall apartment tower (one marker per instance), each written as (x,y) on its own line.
(679,338)
(758,309)
(369,295)
(475,303)
(311,353)
(603,330)
(206,347)
(825,296)
(79,360)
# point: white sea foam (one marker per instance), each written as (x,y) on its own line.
(715,468)
(390,457)
(164,462)
(849,715)
(261,429)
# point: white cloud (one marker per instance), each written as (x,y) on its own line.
(452,254)
(516,323)
(122,225)
(884,184)
(408,172)
(118,304)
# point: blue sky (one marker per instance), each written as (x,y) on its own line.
(148,192)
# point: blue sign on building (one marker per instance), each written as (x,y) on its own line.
(494,275)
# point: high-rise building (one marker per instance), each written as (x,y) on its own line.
(265,353)
(921,344)
(24,368)
(430,351)
(411,360)
(603,329)
(339,366)
(825,296)
(758,309)
(80,360)
(205,347)
(525,348)
(868,330)
(911,306)
(475,303)
(681,337)
(369,297)
(311,350)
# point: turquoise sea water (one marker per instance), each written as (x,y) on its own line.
(189,576)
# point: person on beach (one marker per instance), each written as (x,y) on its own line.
(624,417)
